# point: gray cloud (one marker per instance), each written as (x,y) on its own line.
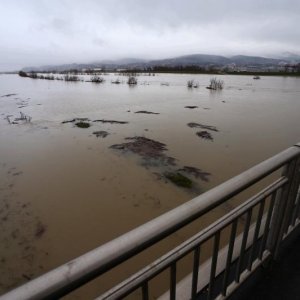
(36,32)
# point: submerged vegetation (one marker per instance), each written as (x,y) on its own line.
(152,152)
(97,79)
(23,117)
(8,95)
(23,74)
(82,124)
(146,112)
(102,134)
(111,121)
(34,75)
(191,106)
(132,80)
(74,120)
(197,173)
(71,78)
(117,81)
(192,84)
(202,126)
(153,155)
(205,135)
(215,84)
(179,179)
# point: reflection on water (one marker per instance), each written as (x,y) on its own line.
(64,190)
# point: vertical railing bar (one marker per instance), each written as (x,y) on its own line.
(229,256)
(292,195)
(267,224)
(195,271)
(298,212)
(256,232)
(296,192)
(213,265)
(173,281)
(243,246)
(145,291)
(297,207)
(285,204)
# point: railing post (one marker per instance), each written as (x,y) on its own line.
(292,197)
(297,201)
(280,212)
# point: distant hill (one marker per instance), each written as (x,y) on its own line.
(61,67)
(124,61)
(100,64)
(194,59)
(290,56)
(186,60)
(243,60)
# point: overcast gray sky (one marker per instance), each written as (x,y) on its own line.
(41,32)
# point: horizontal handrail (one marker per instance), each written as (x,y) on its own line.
(79,271)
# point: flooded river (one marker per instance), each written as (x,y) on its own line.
(64,190)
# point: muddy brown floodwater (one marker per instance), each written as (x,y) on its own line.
(66,189)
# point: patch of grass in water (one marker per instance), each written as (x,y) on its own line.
(82,124)
(179,179)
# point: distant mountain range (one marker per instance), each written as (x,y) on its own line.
(186,60)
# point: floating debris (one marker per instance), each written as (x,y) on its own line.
(198,173)
(191,106)
(102,134)
(146,112)
(179,179)
(207,127)
(205,135)
(111,121)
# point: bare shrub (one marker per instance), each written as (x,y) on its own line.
(132,80)
(216,84)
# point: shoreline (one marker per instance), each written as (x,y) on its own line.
(282,74)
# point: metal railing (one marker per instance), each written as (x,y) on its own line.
(267,218)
